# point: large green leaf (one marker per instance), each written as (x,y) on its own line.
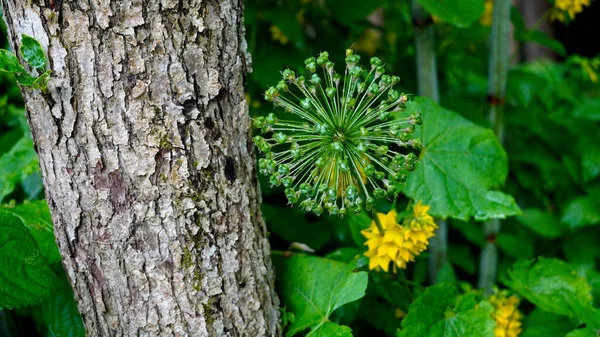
(25,276)
(460,165)
(586,332)
(440,312)
(460,13)
(32,52)
(312,288)
(542,223)
(58,316)
(16,165)
(583,211)
(36,217)
(330,329)
(547,324)
(552,285)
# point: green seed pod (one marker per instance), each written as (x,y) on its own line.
(271,119)
(275,179)
(287,181)
(376,62)
(315,79)
(289,75)
(280,137)
(330,92)
(282,86)
(379,193)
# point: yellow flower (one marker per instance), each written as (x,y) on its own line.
(277,35)
(398,244)
(507,316)
(570,7)
(486,18)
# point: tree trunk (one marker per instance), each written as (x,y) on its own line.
(144,147)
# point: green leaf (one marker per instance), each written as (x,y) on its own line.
(58,316)
(514,246)
(380,315)
(350,11)
(25,276)
(293,225)
(541,223)
(25,79)
(588,109)
(542,38)
(312,288)
(460,165)
(586,332)
(460,13)
(9,62)
(583,211)
(552,285)
(446,274)
(32,52)
(36,217)
(440,312)
(16,165)
(547,324)
(330,329)
(357,223)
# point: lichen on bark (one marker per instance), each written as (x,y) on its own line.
(148,167)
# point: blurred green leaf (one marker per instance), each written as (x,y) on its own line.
(459,166)
(583,211)
(542,38)
(357,223)
(547,324)
(58,316)
(9,62)
(439,311)
(460,13)
(294,226)
(32,52)
(446,274)
(461,256)
(312,288)
(552,285)
(344,254)
(512,246)
(542,223)
(588,109)
(36,217)
(381,315)
(586,332)
(350,11)
(16,165)
(25,275)
(330,329)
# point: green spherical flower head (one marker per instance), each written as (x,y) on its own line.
(346,141)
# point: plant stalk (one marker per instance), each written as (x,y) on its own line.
(498,72)
(427,81)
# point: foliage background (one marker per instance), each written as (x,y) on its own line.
(546,174)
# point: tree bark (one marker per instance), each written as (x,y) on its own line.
(144,146)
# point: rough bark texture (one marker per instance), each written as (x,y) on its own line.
(144,148)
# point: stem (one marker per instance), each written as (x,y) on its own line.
(377,221)
(498,72)
(427,80)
